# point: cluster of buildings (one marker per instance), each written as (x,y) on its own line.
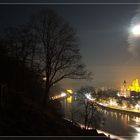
(130,91)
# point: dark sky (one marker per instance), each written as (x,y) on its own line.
(103,30)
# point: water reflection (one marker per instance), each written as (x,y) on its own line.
(124,125)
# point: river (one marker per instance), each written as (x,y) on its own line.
(119,124)
(123,125)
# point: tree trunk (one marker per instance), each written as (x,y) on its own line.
(86,115)
(46,96)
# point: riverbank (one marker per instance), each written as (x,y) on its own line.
(120,110)
(111,135)
(100,132)
(123,125)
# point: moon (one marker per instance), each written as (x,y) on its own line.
(136,30)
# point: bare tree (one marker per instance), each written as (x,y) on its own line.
(84,98)
(60,53)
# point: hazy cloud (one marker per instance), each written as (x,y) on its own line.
(134,40)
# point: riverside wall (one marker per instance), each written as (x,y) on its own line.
(137,114)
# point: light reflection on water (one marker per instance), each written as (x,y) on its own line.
(123,125)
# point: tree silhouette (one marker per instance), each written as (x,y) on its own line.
(46,45)
(21,43)
(60,54)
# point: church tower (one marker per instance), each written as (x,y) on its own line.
(124,91)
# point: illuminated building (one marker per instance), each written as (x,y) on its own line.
(135,89)
(124,91)
(135,86)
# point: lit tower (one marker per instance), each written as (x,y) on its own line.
(124,91)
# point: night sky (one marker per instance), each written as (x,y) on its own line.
(106,44)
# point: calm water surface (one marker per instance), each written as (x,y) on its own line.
(124,125)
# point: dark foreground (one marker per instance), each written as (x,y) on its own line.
(26,120)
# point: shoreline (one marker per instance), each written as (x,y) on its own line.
(110,135)
(118,110)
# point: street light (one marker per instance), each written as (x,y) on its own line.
(89,97)
(63,94)
(44,78)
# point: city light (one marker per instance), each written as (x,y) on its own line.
(44,78)
(118,94)
(59,96)
(69,91)
(137,106)
(63,94)
(88,96)
(69,99)
(124,106)
(113,103)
